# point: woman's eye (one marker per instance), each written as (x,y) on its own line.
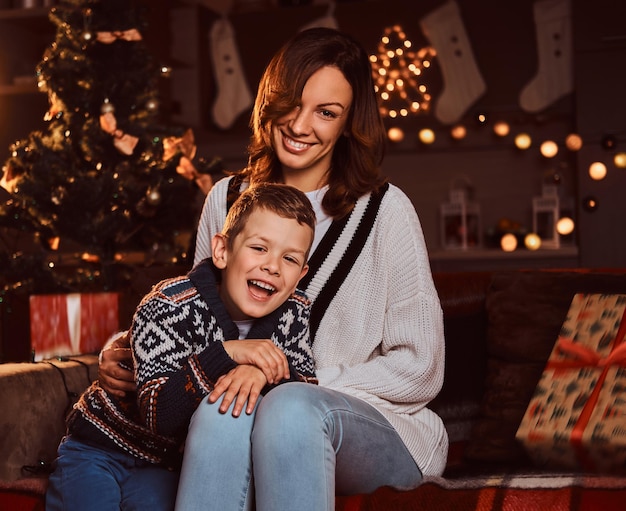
(328,113)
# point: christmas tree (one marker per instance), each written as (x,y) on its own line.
(103,175)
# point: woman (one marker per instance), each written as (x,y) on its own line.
(376,320)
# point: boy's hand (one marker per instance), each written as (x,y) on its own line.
(262,353)
(243,383)
(114,378)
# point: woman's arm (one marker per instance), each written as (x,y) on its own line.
(115,366)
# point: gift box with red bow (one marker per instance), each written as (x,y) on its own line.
(69,324)
(576,418)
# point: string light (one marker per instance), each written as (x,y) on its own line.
(397,71)
(523,141)
(501,128)
(565,226)
(508,242)
(573,142)
(532,241)
(395,134)
(426,136)
(620,160)
(458,132)
(597,170)
(549,149)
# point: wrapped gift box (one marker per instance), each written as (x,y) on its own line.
(69,324)
(577,416)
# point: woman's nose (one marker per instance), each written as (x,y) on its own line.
(300,122)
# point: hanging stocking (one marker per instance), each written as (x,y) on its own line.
(554,50)
(326,21)
(463,83)
(233,95)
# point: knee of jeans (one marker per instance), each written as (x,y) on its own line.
(291,406)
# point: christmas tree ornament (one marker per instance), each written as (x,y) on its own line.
(153,196)
(233,95)
(463,82)
(554,78)
(125,35)
(107,107)
(152,105)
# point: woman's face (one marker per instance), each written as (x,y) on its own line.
(305,138)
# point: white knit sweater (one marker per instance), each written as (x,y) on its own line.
(381,339)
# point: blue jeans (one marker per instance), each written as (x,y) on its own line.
(301,446)
(88,478)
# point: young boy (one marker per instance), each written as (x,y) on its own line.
(234,325)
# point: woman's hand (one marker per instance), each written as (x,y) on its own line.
(113,374)
(243,383)
(262,353)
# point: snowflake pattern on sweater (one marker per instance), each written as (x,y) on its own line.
(176,337)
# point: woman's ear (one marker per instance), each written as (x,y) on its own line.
(219,250)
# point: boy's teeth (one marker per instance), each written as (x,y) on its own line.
(263,285)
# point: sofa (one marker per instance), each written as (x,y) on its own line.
(500,328)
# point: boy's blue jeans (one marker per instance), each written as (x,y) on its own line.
(304,443)
(89,478)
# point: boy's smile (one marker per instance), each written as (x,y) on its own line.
(262,268)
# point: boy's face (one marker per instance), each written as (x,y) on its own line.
(267,259)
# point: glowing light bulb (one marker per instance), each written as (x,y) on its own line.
(501,128)
(549,149)
(508,242)
(458,132)
(523,141)
(573,142)
(395,134)
(532,241)
(565,226)
(427,136)
(620,160)
(597,170)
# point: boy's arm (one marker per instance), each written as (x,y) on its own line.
(293,337)
(171,378)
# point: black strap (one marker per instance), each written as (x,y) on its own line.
(336,278)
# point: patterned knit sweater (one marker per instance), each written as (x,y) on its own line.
(376,319)
(176,337)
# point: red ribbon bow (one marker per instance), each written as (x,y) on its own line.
(131,34)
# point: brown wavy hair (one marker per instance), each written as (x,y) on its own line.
(355,167)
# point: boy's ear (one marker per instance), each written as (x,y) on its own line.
(219,251)
(304,271)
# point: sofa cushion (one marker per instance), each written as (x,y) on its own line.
(35,398)
(525,311)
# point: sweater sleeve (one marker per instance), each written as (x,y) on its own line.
(211,219)
(173,374)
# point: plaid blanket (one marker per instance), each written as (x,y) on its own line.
(564,492)
(532,492)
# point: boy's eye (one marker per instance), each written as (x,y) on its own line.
(291,260)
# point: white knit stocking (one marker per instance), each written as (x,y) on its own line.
(327,21)
(463,83)
(233,96)
(554,77)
